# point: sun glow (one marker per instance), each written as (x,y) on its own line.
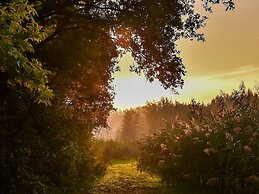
(228,56)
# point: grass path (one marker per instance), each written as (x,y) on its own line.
(122,177)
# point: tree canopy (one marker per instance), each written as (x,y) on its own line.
(19,31)
(148,29)
(65,52)
(104,30)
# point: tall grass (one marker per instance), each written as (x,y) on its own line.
(217,148)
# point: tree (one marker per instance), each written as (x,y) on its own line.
(163,111)
(48,149)
(148,29)
(19,31)
(130,125)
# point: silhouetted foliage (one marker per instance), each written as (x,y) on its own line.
(130,126)
(70,49)
(165,110)
(148,29)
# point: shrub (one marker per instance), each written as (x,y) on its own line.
(217,148)
(116,150)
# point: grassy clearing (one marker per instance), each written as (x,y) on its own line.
(123,177)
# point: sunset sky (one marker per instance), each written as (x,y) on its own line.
(229,55)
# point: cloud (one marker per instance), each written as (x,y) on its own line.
(236,72)
(134,91)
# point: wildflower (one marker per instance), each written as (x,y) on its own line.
(209,151)
(229,137)
(187,176)
(175,156)
(163,146)
(187,132)
(252,179)
(237,130)
(161,162)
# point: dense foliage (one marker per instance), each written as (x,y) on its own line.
(147,29)
(63,53)
(165,110)
(49,149)
(18,32)
(44,150)
(130,126)
(117,150)
(217,148)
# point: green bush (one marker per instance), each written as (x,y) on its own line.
(117,150)
(214,149)
(43,151)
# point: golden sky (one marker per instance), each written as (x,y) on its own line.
(229,55)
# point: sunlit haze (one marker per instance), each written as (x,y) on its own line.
(228,56)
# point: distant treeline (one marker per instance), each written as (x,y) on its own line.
(133,124)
